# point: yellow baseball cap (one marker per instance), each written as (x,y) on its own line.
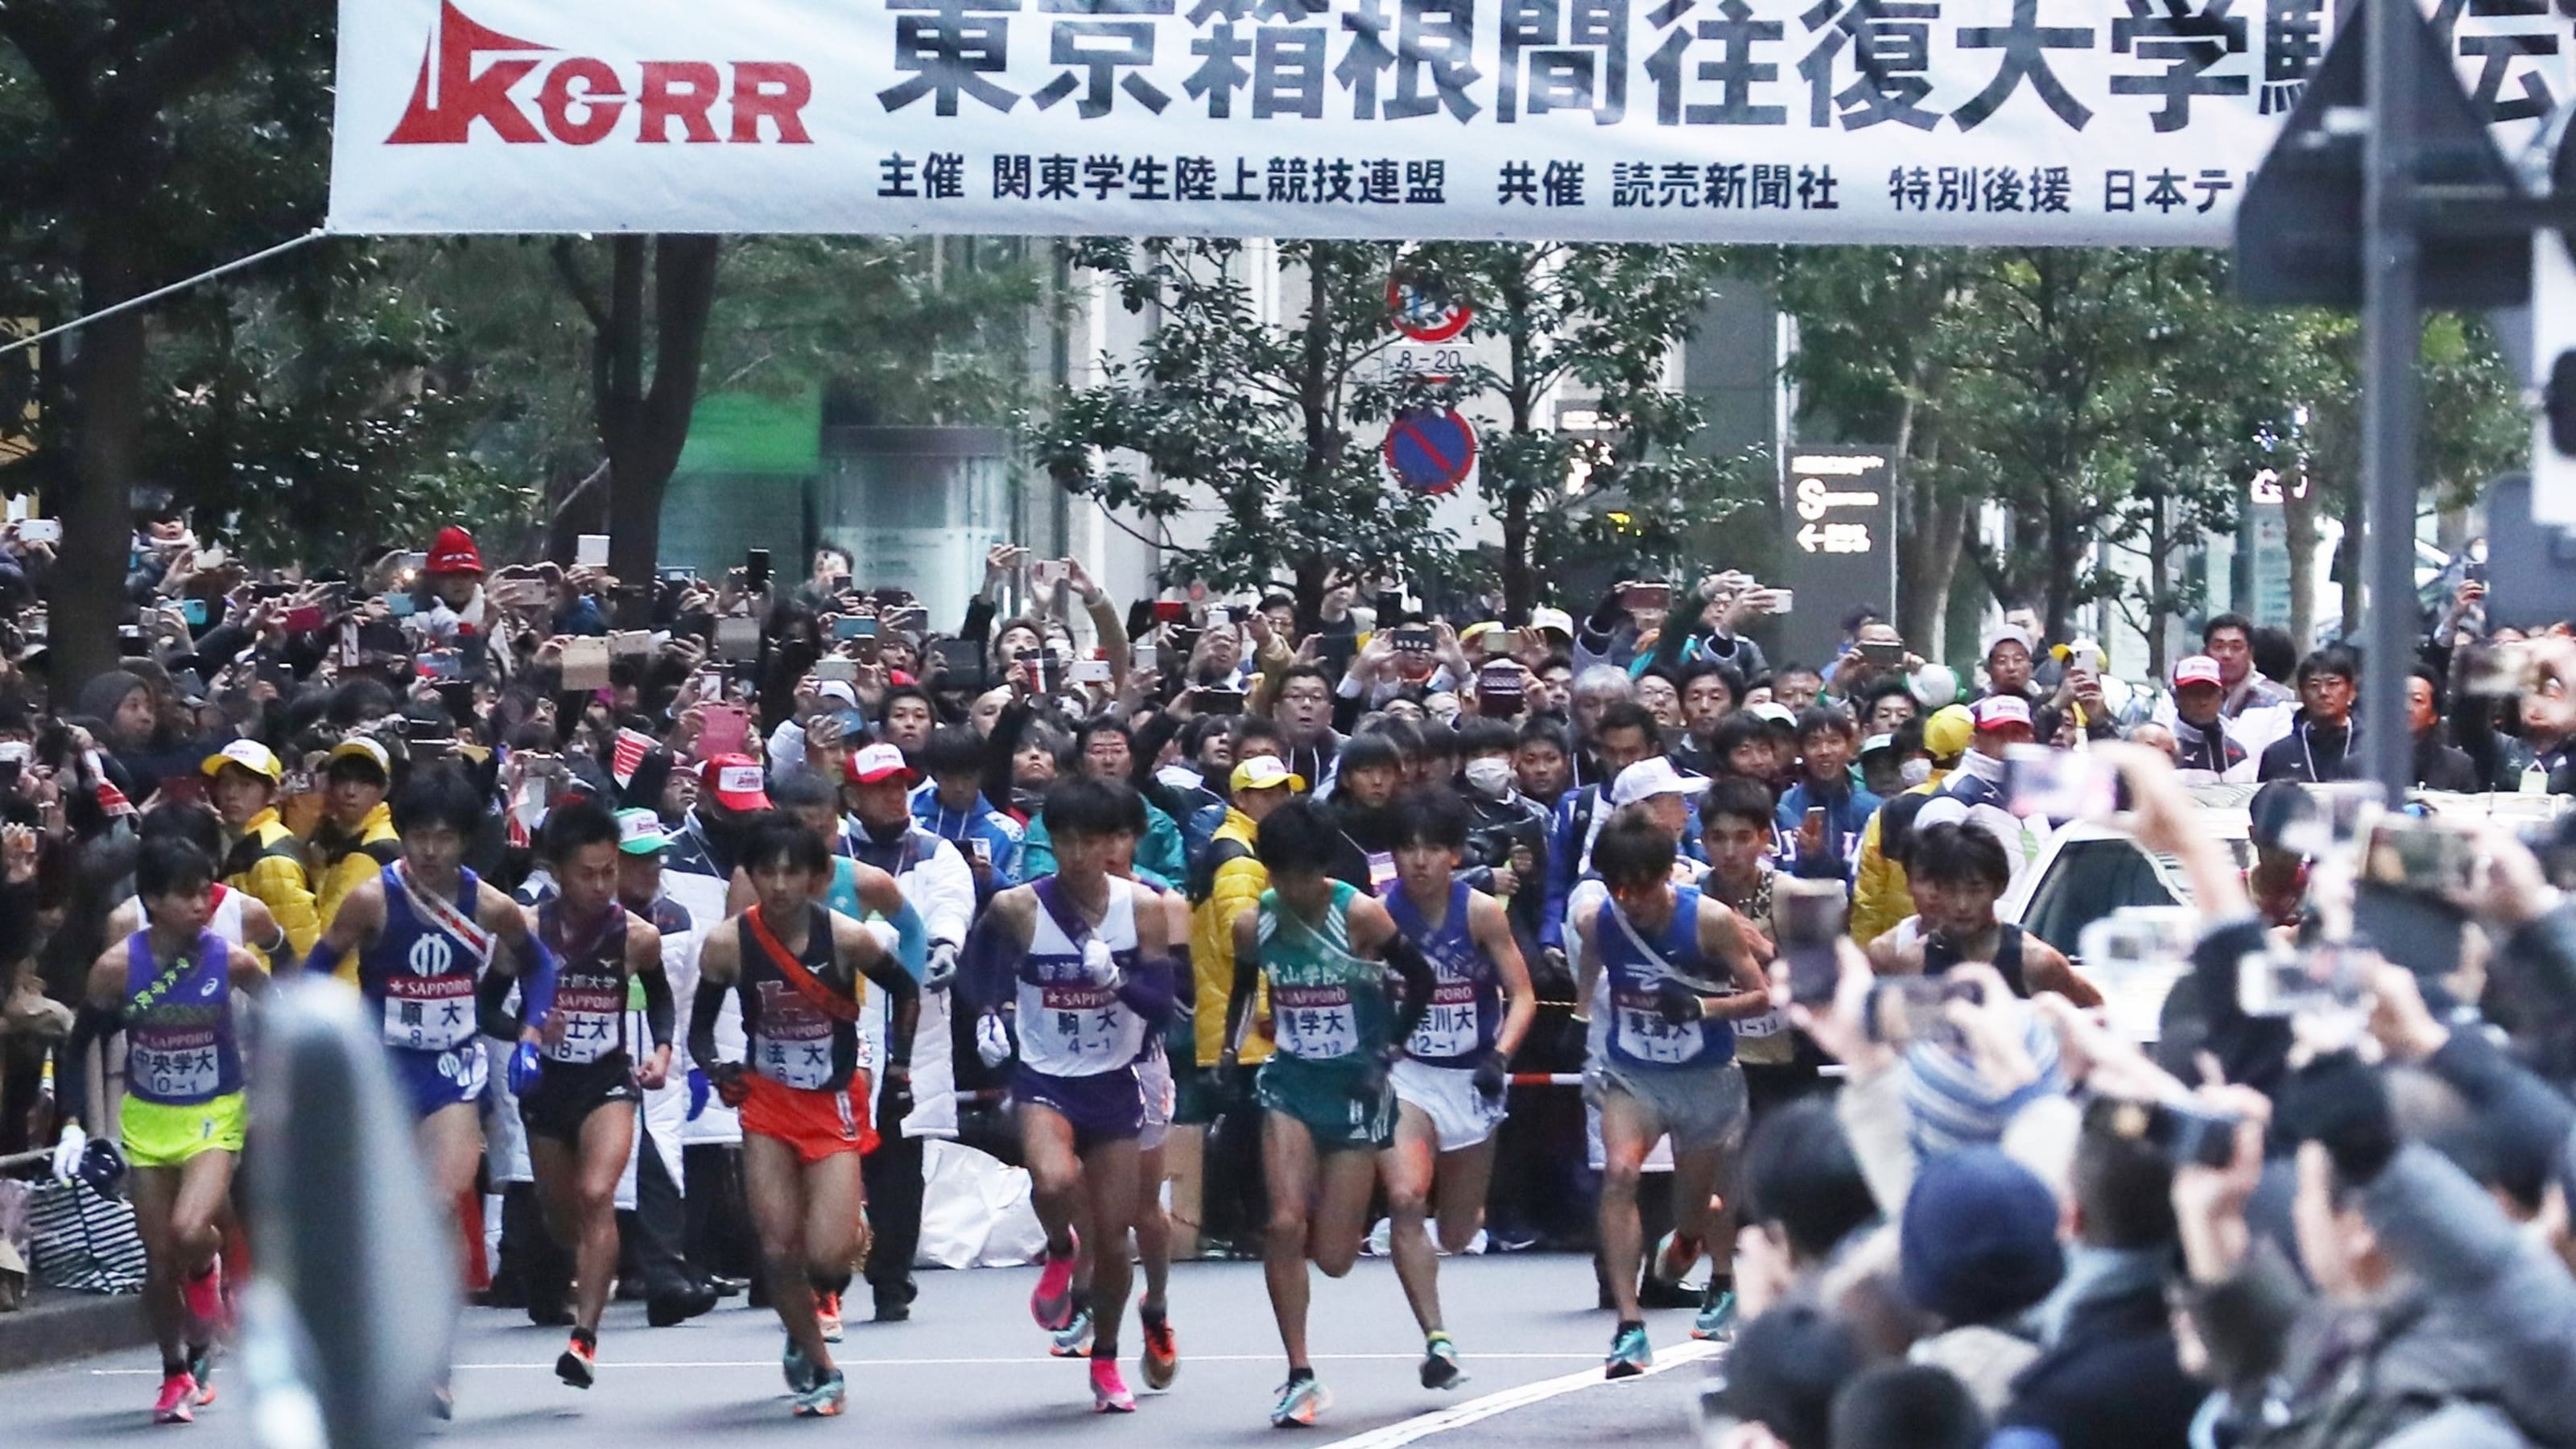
(1264,772)
(250,755)
(1949,730)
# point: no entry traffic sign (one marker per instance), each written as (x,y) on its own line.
(1430,452)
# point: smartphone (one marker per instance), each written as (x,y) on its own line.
(727,726)
(1880,656)
(2302,980)
(2136,937)
(2059,785)
(585,664)
(1497,643)
(960,663)
(1905,1009)
(1816,818)
(40,530)
(908,616)
(836,667)
(980,848)
(14,755)
(1413,639)
(1220,701)
(1780,601)
(1810,916)
(1499,690)
(1646,596)
(755,570)
(401,606)
(2426,857)
(590,551)
(304,619)
(2496,671)
(675,575)
(1145,657)
(1047,573)
(441,665)
(631,642)
(1171,611)
(1237,613)
(737,638)
(1090,671)
(2193,1135)
(854,626)
(194,611)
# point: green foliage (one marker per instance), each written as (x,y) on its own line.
(1263,418)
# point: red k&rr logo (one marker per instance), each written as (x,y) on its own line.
(582,100)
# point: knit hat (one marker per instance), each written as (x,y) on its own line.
(1979,1239)
(454,553)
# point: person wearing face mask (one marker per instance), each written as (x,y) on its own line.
(1507,831)
(1880,897)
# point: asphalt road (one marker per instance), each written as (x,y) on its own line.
(970,1368)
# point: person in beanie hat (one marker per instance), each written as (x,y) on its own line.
(1978,1249)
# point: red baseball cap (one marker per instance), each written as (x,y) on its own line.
(878,763)
(454,553)
(736,781)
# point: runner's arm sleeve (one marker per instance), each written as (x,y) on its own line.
(903,1003)
(659,1009)
(492,1015)
(1238,1000)
(911,939)
(90,1025)
(537,967)
(992,957)
(704,1008)
(1409,963)
(323,959)
(1148,990)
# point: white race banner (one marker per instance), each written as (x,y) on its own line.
(1971,121)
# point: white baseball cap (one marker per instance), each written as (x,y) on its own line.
(1652,776)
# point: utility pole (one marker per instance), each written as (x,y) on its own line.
(2392,332)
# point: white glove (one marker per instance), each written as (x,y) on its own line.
(1098,967)
(68,1153)
(992,1040)
(885,936)
(941,966)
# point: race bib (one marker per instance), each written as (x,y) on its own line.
(1769,1023)
(1449,1028)
(429,1013)
(1082,1024)
(175,1067)
(1317,1023)
(794,1044)
(1645,1036)
(591,1012)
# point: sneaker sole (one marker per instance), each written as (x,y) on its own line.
(574,1371)
(1305,1419)
(173,1416)
(1160,1377)
(1623,1370)
(1437,1381)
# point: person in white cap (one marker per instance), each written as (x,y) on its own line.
(2010,656)
(2002,721)
(2199,718)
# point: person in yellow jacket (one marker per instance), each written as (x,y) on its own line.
(1880,897)
(264,859)
(1229,881)
(355,838)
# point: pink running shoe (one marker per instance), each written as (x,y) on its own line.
(178,1401)
(1051,1304)
(1108,1391)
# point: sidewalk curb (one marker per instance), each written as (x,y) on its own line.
(55,1327)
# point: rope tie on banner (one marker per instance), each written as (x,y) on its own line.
(157,293)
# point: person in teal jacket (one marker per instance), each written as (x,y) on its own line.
(1105,750)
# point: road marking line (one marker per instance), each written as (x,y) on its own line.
(1478,1410)
(866,1363)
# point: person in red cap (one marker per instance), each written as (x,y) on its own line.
(2200,723)
(453,571)
(732,789)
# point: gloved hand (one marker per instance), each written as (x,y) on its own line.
(939,969)
(1098,966)
(700,1089)
(1491,1077)
(1676,1003)
(525,1068)
(992,1039)
(733,1084)
(894,1099)
(67,1153)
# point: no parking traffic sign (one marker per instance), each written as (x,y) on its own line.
(1430,452)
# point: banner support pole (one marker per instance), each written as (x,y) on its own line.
(156,294)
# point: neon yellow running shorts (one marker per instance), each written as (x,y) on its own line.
(157,1135)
